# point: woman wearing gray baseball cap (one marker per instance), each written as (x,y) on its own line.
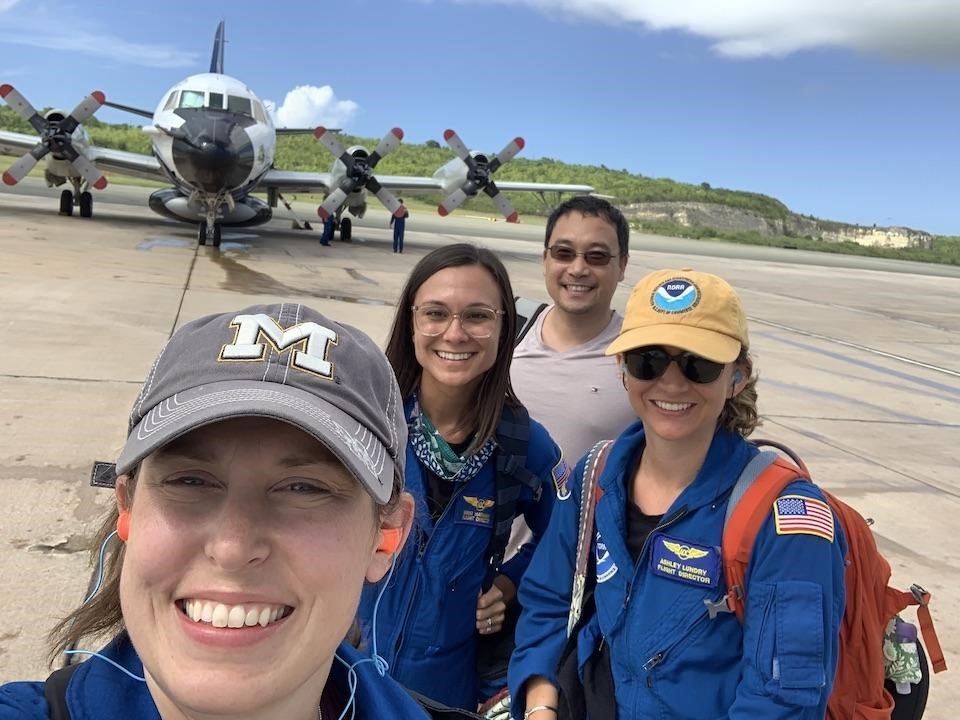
(259,489)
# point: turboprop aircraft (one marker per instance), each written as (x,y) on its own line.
(214,141)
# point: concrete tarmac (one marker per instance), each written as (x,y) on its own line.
(859,362)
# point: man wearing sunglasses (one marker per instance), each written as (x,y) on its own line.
(559,368)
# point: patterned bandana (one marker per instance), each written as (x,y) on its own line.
(434,452)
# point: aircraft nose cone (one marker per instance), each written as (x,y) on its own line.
(212,153)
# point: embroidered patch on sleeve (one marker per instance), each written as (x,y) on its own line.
(560,474)
(800,515)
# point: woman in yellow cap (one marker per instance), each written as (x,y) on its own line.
(647,644)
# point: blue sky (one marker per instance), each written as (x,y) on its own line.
(844,109)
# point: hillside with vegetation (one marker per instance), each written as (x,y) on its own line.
(302,152)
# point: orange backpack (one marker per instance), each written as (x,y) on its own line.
(858,689)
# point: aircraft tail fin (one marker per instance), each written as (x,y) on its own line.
(216,60)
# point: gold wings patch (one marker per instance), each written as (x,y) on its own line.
(480,504)
(684,552)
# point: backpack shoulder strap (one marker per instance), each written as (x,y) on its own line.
(528,312)
(513,439)
(596,459)
(55,692)
(762,480)
(439,711)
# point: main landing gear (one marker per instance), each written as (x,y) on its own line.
(82,200)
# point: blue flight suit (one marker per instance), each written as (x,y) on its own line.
(668,658)
(98,690)
(327,234)
(399,225)
(426,621)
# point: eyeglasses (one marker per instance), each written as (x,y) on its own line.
(564,254)
(478,322)
(649,363)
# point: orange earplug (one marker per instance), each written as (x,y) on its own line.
(123,525)
(391,540)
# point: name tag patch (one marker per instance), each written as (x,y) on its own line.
(475,511)
(685,562)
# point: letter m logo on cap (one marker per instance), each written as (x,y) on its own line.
(315,340)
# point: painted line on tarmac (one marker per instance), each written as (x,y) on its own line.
(855,346)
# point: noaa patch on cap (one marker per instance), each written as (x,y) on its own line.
(675,296)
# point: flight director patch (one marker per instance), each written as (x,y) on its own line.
(687,563)
(475,511)
(561,474)
(606,567)
(801,515)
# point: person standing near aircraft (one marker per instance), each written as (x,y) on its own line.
(327,234)
(475,460)
(650,642)
(399,223)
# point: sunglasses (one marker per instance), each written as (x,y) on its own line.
(564,254)
(649,363)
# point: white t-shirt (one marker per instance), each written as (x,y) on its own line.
(578,394)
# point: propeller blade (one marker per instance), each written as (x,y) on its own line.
(503,205)
(19,170)
(456,144)
(507,154)
(329,140)
(83,111)
(386,197)
(332,203)
(88,171)
(453,201)
(22,107)
(389,143)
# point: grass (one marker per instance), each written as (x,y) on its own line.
(945,250)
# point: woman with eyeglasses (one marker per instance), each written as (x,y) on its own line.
(649,643)
(475,461)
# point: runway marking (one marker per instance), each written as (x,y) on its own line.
(856,346)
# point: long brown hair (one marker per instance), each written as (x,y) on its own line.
(494,389)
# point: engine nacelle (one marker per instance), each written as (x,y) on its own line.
(453,174)
(247,211)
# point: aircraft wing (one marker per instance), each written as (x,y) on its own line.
(300,181)
(118,161)
(295,181)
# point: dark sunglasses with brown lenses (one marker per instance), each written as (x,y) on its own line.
(564,254)
(649,363)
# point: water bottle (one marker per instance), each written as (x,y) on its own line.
(906,634)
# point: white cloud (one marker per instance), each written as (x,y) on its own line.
(919,30)
(308,106)
(57,27)
(104,45)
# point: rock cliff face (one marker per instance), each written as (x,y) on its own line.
(725,218)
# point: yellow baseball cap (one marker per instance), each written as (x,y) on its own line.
(695,311)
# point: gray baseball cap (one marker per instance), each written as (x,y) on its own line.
(286,362)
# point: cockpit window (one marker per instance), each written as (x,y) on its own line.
(258,113)
(216,101)
(239,105)
(191,99)
(171,101)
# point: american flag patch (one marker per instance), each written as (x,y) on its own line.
(800,515)
(560,474)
